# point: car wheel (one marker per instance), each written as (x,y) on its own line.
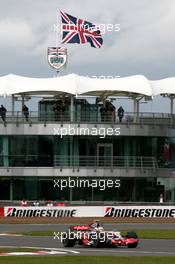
(68,241)
(96,243)
(132,245)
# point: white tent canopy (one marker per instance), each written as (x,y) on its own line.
(126,86)
(164,86)
(79,85)
(13,84)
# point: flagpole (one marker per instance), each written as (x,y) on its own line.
(57,31)
(57,56)
(57,40)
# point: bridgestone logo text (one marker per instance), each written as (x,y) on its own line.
(13,212)
(153,212)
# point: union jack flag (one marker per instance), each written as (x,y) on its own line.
(79,31)
(56,50)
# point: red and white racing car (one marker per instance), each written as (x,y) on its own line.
(94,235)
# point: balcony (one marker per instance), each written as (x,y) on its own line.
(92,117)
(84,166)
(58,161)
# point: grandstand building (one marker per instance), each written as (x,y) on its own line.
(76,132)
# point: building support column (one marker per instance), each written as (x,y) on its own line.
(22,101)
(138,110)
(13,105)
(11,190)
(72,109)
(171,97)
(134,151)
(92,194)
(135,105)
(126,151)
(172,105)
(134,191)
(70,194)
(135,110)
(5,151)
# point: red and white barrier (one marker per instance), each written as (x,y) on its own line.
(89,211)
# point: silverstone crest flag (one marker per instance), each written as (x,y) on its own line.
(76,30)
(57,57)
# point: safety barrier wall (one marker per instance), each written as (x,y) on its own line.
(90,211)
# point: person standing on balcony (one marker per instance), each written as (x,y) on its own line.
(56,110)
(166,153)
(62,110)
(36,203)
(120,112)
(25,111)
(24,202)
(111,111)
(49,203)
(103,113)
(161,199)
(3,111)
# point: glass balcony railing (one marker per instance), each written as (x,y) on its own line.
(105,161)
(78,161)
(26,161)
(34,117)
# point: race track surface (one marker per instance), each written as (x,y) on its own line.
(62,227)
(147,247)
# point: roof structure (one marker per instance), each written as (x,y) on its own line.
(137,85)
(164,86)
(13,84)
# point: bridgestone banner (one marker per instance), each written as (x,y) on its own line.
(40,212)
(90,211)
(145,212)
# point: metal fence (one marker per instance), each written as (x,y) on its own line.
(88,203)
(78,161)
(34,117)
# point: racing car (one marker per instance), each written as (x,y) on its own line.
(94,235)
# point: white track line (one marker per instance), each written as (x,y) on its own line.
(8,234)
(127,251)
(53,251)
(62,249)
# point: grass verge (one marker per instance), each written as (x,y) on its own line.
(37,233)
(83,220)
(154,234)
(87,260)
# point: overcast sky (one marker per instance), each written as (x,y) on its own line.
(145,43)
